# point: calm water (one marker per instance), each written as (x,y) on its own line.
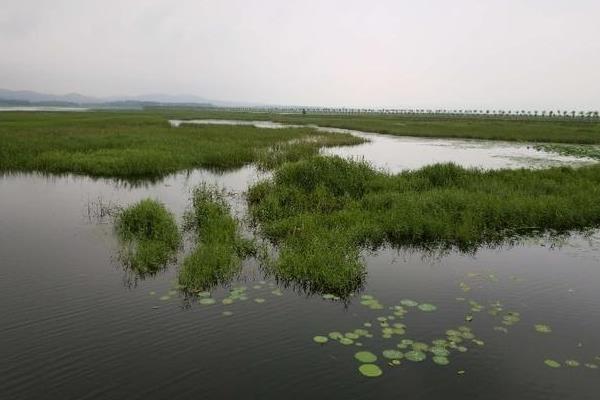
(76,325)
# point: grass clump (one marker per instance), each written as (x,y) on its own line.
(149,235)
(220,250)
(322,211)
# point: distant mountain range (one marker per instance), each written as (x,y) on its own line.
(28,97)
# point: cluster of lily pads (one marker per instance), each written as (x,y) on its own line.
(439,350)
(571,363)
(236,294)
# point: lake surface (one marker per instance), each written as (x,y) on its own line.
(77,325)
(398,153)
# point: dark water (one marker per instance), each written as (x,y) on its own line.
(75,325)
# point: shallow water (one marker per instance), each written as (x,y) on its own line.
(399,153)
(76,325)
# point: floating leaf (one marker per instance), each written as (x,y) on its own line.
(352,335)
(277,292)
(259,300)
(227,313)
(572,363)
(591,365)
(320,339)
(439,351)
(335,335)
(207,301)
(370,370)
(365,357)
(542,328)
(441,360)
(409,303)
(203,294)
(345,341)
(227,301)
(415,356)
(426,307)
(163,298)
(460,372)
(392,354)
(552,363)
(367,297)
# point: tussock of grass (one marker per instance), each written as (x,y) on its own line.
(143,145)
(149,235)
(220,250)
(322,211)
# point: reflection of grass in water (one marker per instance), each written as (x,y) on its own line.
(322,211)
(149,235)
(220,250)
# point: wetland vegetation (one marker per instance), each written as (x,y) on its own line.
(149,236)
(220,247)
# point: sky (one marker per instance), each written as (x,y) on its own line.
(498,54)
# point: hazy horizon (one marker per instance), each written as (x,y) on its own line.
(464,54)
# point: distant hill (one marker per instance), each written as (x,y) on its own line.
(28,97)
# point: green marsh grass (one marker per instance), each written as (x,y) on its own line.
(220,250)
(143,145)
(322,211)
(149,236)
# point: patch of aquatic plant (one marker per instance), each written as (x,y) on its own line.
(321,212)
(143,145)
(220,250)
(577,150)
(149,236)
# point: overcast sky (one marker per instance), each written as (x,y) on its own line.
(396,53)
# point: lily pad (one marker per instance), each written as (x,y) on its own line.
(207,301)
(542,328)
(335,335)
(552,363)
(392,354)
(441,360)
(345,341)
(591,365)
(163,298)
(415,356)
(572,363)
(370,370)
(203,294)
(365,357)
(320,339)
(426,307)
(409,303)
(227,313)
(352,335)
(227,301)
(259,300)
(439,351)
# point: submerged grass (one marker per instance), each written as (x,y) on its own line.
(322,211)
(149,235)
(142,145)
(220,250)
